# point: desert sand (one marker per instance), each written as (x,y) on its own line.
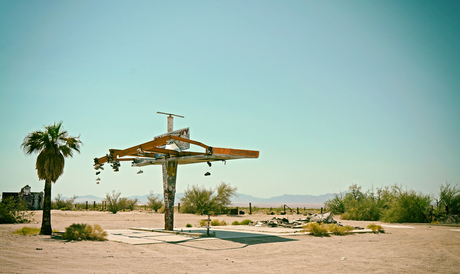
(404,248)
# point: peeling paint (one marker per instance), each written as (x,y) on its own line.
(169,189)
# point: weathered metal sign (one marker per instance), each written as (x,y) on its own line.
(184,133)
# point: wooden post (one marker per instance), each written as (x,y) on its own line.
(169,191)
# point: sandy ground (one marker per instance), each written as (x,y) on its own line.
(404,248)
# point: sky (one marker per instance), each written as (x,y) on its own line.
(332,93)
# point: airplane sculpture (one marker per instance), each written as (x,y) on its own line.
(168,150)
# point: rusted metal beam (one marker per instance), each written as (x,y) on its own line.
(189,141)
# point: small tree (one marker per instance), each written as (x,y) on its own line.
(449,199)
(200,200)
(112,201)
(60,203)
(154,202)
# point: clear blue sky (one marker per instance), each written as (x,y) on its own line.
(330,92)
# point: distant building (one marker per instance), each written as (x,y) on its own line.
(34,200)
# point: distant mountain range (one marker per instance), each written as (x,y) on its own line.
(241,199)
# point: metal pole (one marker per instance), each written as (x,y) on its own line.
(170,123)
(169,190)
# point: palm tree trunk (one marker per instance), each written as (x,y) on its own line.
(46,220)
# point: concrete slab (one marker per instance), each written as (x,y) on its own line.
(138,236)
(144,237)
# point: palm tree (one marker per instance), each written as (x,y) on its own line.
(52,145)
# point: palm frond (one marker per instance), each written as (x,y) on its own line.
(53,145)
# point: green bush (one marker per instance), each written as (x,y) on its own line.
(218,223)
(155,202)
(112,201)
(235,223)
(79,232)
(60,203)
(408,206)
(188,225)
(390,204)
(245,222)
(200,200)
(14,210)
(449,200)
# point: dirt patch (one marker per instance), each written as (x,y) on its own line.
(422,248)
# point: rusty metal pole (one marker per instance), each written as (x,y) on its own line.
(169,189)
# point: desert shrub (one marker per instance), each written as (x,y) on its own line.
(27,231)
(188,225)
(63,204)
(245,222)
(316,229)
(218,223)
(339,230)
(112,201)
(126,204)
(336,204)
(79,232)
(14,210)
(235,223)
(391,204)
(375,228)
(203,222)
(200,200)
(408,206)
(449,201)
(154,202)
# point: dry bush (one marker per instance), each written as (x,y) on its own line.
(79,232)
(27,231)
(316,229)
(376,228)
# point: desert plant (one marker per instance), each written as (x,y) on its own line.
(408,206)
(316,229)
(449,199)
(218,223)
(235,223)
(245,222)
(200,200)
(339,230)
(14,210)
(154,202)
(203,222)
(375,228)
(27,231)
(112,201)
(79,232)
(60,203)
(188,225)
